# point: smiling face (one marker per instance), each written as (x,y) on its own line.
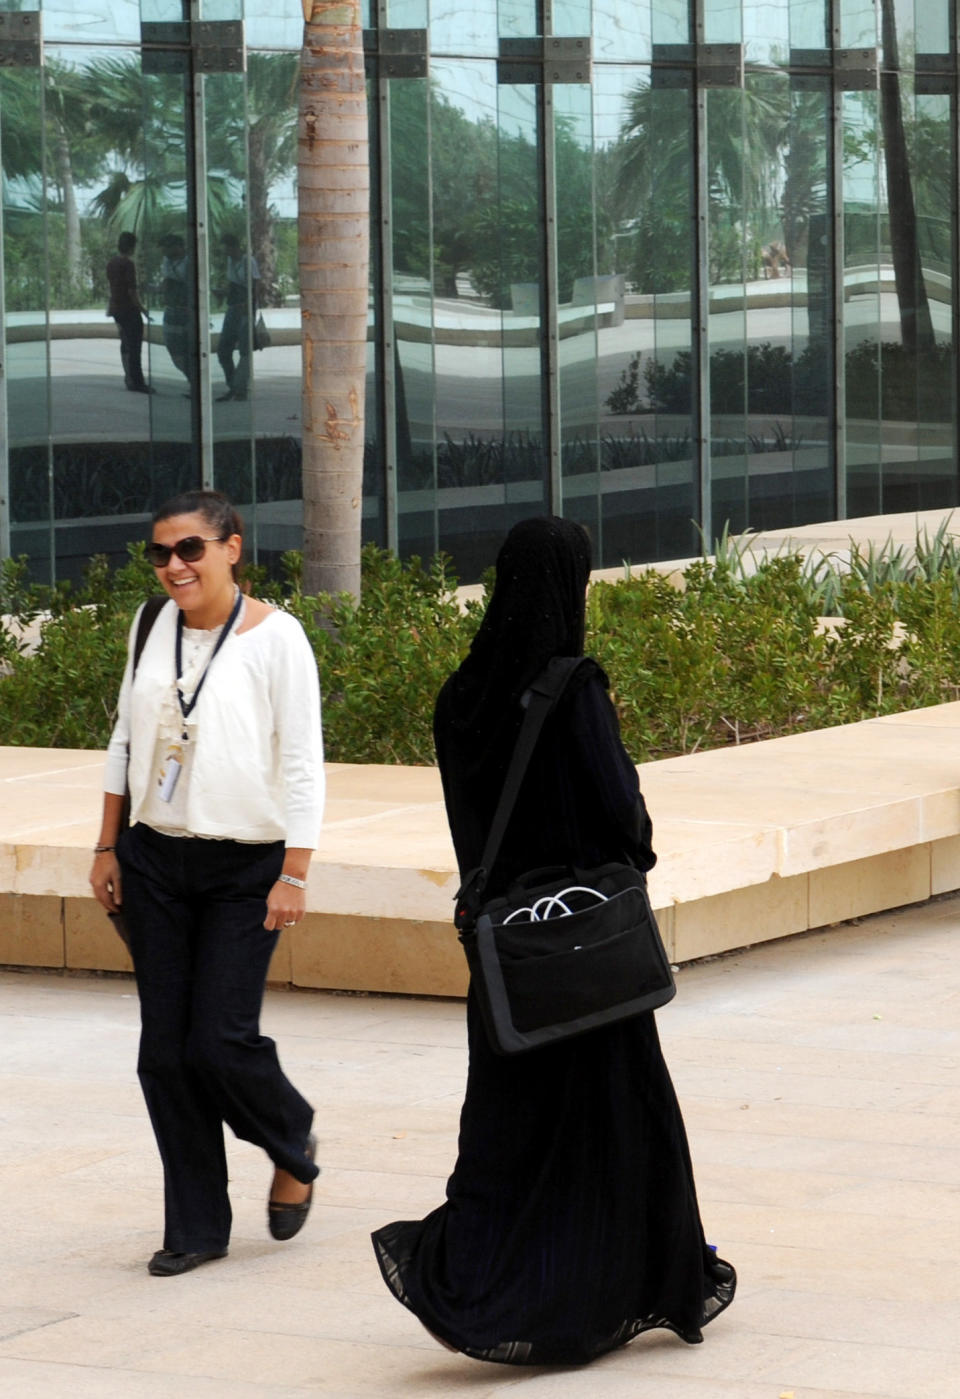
(203,590)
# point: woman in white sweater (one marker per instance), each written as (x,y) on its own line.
(218,740)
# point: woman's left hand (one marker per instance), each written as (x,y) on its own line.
(286,905)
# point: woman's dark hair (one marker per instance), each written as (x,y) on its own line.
(216,509)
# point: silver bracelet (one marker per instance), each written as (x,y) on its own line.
(289,879)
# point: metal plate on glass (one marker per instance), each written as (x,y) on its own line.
(20,45)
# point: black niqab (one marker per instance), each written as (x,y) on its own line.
(537,610)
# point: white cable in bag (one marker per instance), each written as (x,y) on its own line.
(553,905)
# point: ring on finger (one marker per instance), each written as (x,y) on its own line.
(289,922)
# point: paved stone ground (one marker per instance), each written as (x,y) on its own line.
(819,1081)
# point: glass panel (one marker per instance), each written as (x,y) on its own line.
(98,258)
(25,276)
(164,11)
(671,21)
(807,215)
(901,16)
(415,321)
(722,22)
(858,24)
(212,10)
(509,268)
(913,350)
(861,302)
(809,24)
(518,18)
(408,14)
(374,525)
(788,455)
(236,276)
(766,28)
(275,381)
(585,301)
(932,147)
(95,21)
(623,32)
(468,30)
(644,191)
(932,19)
(571,17)
(468,338)
(268,25)
(733,260)
(164,212)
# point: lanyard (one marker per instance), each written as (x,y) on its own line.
(187,709)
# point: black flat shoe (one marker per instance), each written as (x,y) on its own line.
(167,1264)
(285,1220)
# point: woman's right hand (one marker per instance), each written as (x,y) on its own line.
(107,881)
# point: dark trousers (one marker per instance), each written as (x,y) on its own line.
(235,335)
(130,325)
(195,911)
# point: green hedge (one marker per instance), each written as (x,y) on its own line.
(735,655)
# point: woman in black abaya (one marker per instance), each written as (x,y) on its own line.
(571,1221)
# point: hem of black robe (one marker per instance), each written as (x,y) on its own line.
(719,1287)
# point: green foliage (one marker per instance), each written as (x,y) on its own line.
(63,693)
(383,660)
(730,658)
(737,653)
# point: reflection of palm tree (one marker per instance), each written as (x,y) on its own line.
(805,184)
(261,149)
(760,140)
(74,154)
(66,108)
(20,144)
(746,132)
(141,121)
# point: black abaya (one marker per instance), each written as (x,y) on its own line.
(571,1221)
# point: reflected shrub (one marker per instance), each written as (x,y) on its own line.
(883,380)
(91,479)
(886,380)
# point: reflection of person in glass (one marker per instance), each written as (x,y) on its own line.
(218,741)
(243,277)
(126,310)
(174,271)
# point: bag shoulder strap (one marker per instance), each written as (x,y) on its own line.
(151,611)
(541,697)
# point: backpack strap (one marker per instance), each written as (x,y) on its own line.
(151,611)
(539,700)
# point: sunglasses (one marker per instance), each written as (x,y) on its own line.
(190,549)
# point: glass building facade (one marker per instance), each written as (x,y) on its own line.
(656,265)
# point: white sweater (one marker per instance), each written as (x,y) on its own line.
(257,762)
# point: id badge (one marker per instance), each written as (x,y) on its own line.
(170,772)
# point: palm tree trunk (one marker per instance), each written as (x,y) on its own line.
(262,238)
(71,214)
(334,217)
